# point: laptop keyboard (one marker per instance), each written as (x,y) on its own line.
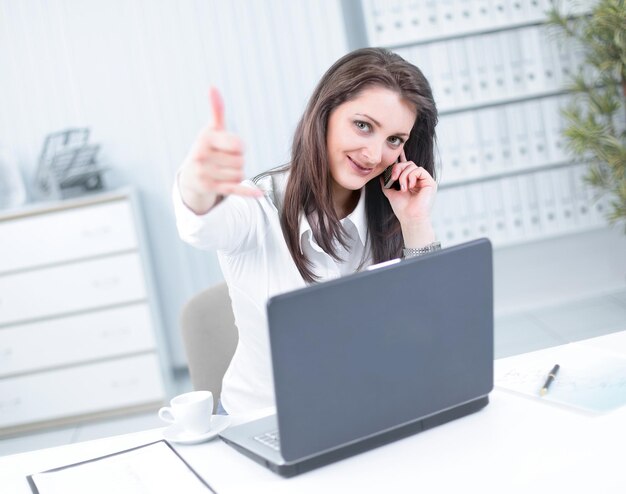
(270,439)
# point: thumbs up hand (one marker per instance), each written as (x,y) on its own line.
(214,165)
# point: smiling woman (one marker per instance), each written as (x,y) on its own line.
(323,215)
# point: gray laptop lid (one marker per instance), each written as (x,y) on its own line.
(366,353)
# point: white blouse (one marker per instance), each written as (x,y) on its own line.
(257,265)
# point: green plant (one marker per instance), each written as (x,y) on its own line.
(596,118)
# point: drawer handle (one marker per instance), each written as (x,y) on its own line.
(105,283)
(15,402)
(115,332)
(94,232)
(125,383)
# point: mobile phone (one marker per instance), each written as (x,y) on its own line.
(387,182)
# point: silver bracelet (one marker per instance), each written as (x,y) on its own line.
(432,247)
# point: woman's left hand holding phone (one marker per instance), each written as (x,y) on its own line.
(213,167)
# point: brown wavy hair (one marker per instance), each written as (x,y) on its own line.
(309,184)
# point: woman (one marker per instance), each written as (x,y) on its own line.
(325,214)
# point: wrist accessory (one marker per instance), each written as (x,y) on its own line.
(432,247)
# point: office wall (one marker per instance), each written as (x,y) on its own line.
(137,73)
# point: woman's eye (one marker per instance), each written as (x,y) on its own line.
(395,141)
(362,125)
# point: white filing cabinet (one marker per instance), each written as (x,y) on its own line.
(78,326)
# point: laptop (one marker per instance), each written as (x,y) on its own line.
(369,358)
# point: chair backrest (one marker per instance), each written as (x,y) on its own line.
(210,337)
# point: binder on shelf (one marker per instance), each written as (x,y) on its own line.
(513,208)
(462,72)
(514,68)
(500,13)
(536,10)
(467,131)
(583,199)
(414,16)
(539,153)
(489,149)
(494,51)
(553,121)
(564,199)
(448,232)
(547,202)
(478,207)
(465,221)
(431,26)
(518,130)
(531,61)
(373,15)
(447,15)
(550,61)
(504,142)
(396,32)
(531,211)
(495,209)
(445,136)
(481,89)
(517,12)
(442,83)
(482,17)
(420,57)
(449,139)
(466,15)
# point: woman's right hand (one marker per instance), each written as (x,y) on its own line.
(214,165)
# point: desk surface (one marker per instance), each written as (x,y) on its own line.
(515,444)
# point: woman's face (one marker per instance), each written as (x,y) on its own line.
(365,135)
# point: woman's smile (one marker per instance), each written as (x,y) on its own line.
(361,170)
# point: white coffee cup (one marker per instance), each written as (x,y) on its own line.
(191,411)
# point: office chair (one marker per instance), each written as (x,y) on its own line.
(210,338)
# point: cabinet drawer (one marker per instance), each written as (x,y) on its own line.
(53,237)
(80,390)
(75,339)
(73,287)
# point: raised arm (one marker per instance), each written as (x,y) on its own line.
(213,167)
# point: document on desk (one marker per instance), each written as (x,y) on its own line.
(154,468)
(589,378)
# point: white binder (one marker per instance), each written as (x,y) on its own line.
(551,111)
(547,201)
(462,72)
(467,129)
(530,205)
(489,140)
(515,68)
(498,59)
(442,82)
(518,130)
(513,208)
(533,72)
(539,154)
(478,205)
(495,207)
(564,199)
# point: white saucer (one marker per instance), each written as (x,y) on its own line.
(176,434)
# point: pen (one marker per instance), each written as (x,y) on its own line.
(549,380)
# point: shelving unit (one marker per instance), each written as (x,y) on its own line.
(498,76)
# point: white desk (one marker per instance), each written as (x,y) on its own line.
(515,444)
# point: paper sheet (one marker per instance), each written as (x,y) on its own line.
(590,379)
(151,469)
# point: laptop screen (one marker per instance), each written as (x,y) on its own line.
(369,352)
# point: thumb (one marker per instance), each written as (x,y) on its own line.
(217,104)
